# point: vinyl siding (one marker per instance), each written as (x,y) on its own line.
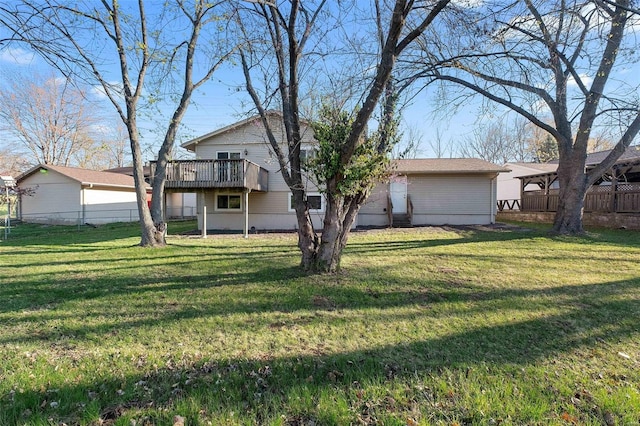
(105,206)
(437,200)
(251,137)
(374,211)
(267,210)
(450,195)
(56,199)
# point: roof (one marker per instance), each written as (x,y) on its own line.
(191,143)
(128,171)
(541,167)
(84,176)
(630,153)
(447,166)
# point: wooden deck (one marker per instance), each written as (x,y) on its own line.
(192,175)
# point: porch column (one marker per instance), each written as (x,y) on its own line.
(246,213)
(614,191)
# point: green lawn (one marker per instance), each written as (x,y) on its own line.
(423,326)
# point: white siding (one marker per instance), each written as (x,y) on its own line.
(267,211)
(252,138)
(109,205)
(509,184)
(438,200)
(61,200)
(56,199)
(374,211)
(180,204)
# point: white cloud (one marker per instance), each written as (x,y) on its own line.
(17,56)
(468,4)
(115,88)
(584,78)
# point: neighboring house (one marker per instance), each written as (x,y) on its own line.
(509,184)
(237,179)
(177,204)
(68,195)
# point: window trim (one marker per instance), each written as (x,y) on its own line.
(323,202)
(227,194)
(229,152)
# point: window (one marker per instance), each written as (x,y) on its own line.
(315,201)
(307,154)
(228,202)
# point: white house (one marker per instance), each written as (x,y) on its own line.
(509,184)
(68,195)
(238,184)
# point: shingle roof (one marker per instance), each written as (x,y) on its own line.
(597,157)
(542,167)
(447,166)
(85,177)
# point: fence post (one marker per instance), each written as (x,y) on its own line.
(79,220)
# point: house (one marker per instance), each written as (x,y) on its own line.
(509,184)
(435,191)
(237,179)
(68,195)
(178,205)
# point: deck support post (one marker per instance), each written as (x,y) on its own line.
(204,221)
(246,213)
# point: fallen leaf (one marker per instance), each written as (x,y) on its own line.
(178,421)
(569,418)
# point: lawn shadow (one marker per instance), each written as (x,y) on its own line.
(264,387)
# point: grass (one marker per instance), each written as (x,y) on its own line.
(423,326)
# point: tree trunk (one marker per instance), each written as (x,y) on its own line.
(308,241)
(330,251)
(339,218)
(573,189)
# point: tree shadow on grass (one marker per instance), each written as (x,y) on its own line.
(264,388)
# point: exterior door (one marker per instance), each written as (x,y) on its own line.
(229,171)
(398,190)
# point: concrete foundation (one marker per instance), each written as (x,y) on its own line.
(602,220)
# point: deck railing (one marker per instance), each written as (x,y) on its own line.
(203,174)
(625,198)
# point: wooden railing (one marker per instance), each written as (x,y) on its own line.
(624,199)
(203,174)
(508,205)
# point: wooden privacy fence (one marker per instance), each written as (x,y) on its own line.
(623,198)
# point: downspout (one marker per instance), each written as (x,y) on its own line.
(83,205)
(494,198)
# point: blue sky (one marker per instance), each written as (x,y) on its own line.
(223,101)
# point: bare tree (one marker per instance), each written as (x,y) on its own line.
(108,149)
(288,33)
(550,58)
(83,38)
(46,118)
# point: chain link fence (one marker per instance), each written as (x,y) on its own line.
(51,223)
